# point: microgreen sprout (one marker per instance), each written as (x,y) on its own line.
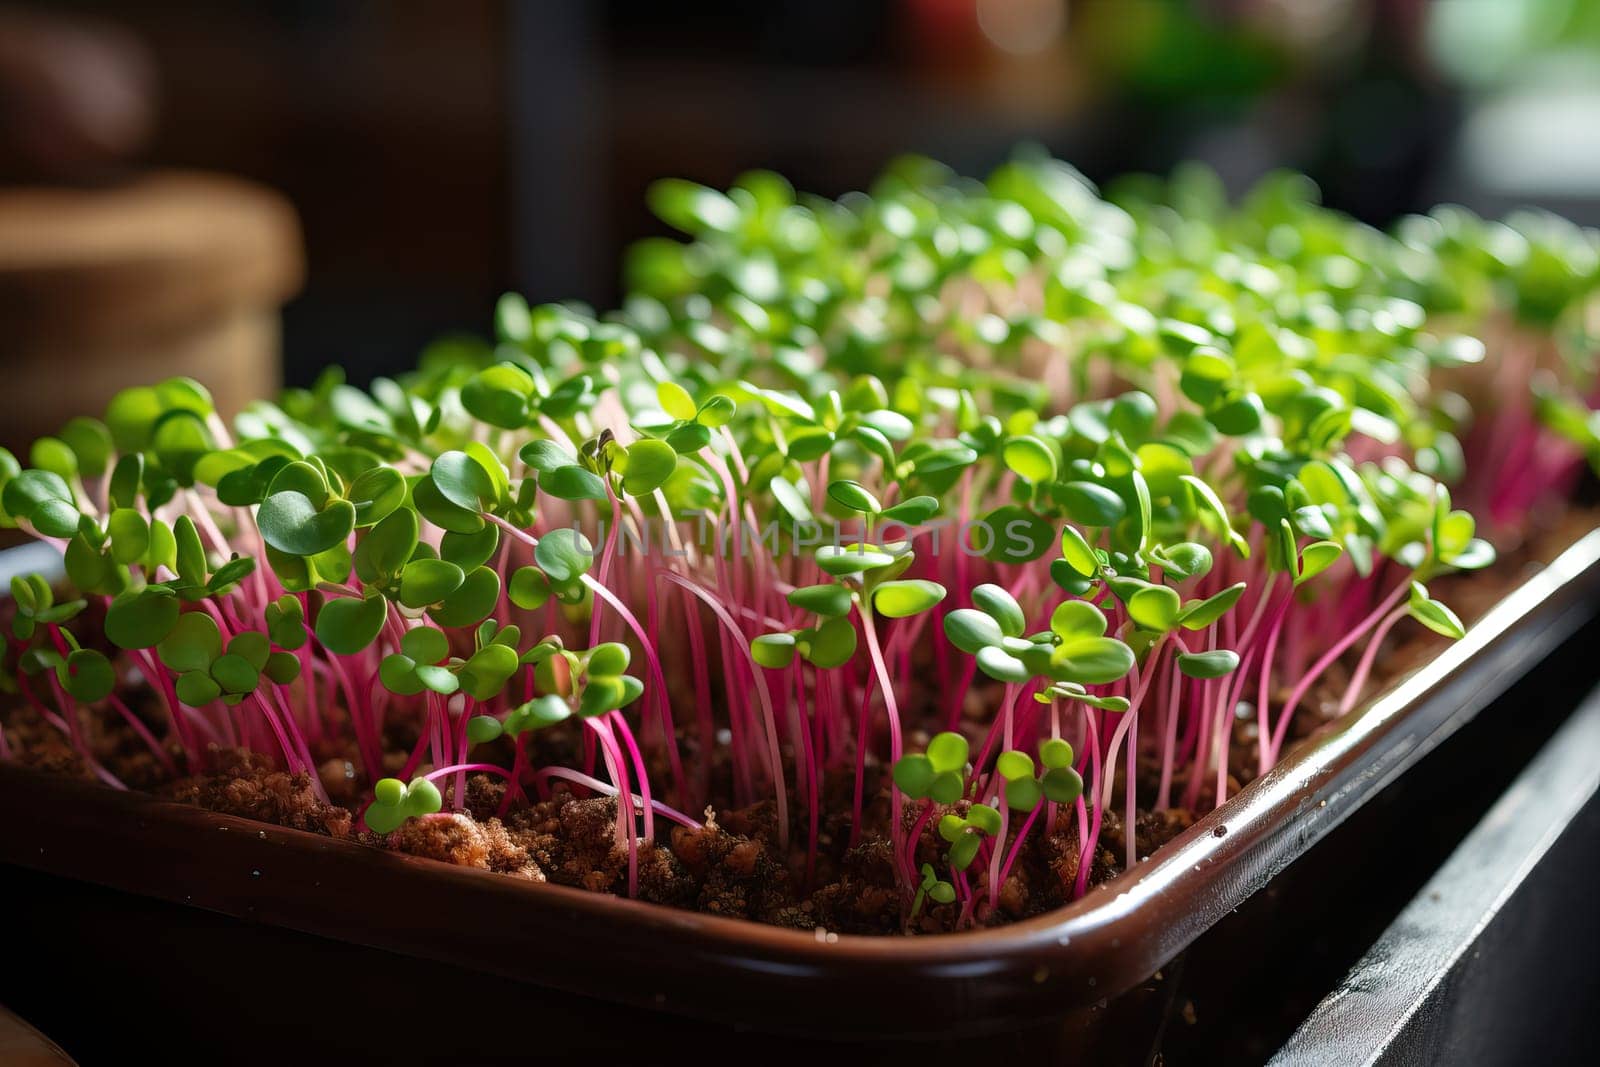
(1108,485)
(393,802)
(938,774)
(1055,780)
(933,888)
(965,833)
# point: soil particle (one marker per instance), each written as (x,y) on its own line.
(246,785)
(1059,856)
(122,751)
(116,747)
(1013,896)
(758,821)
(35,743)
(484,795)
(574,842)
(339,781)
(737,873)
(864,898)
(851,907)
(459,839)
(1152,829)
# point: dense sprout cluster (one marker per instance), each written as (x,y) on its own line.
(1135,469)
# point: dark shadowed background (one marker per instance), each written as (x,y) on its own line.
(440,153)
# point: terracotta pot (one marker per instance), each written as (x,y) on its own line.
(735,971)
(171,273)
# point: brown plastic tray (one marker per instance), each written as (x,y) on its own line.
(786,980)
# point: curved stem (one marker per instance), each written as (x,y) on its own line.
(144,733)
(567,774)
(996,853)
(1358,680)
(1088,831)
(892,710)
(1016,845)
(769,720)
(465,768)
(1327,659)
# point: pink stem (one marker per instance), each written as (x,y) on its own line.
(567,774)
(1327,659)
(144,733)
(1016,845)
(1088,836)
(1358,680)
(769,720)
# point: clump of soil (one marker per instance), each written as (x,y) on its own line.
(575,843)
(113,744)
(460,839)
(35,743)
(247,785)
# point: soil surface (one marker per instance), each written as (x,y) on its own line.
(735,865)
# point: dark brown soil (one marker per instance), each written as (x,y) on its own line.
(248,786)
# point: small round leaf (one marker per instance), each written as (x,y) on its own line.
(1212,664)
(1055,752)
(948,751)
(564,555)
(291,524)
(899,600)
(350,624)
(649,464)
(90,675)
(1002,607)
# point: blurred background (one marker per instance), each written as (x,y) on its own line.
(207,187)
